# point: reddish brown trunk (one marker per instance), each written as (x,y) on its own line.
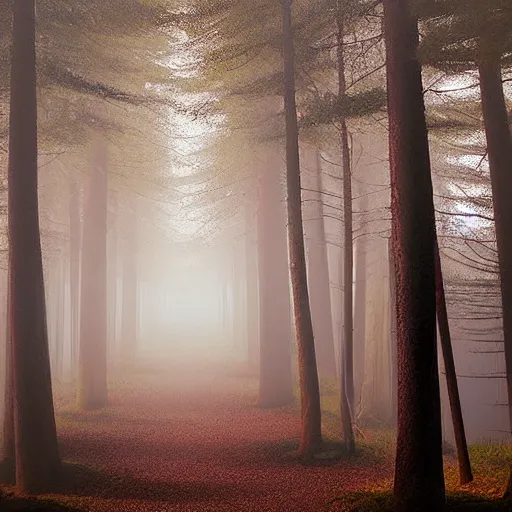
(465,473)
(7,466)
(276,386)
(37,454)
(393,381)
(499,149)
(311,434)
(92,366)
(419,479)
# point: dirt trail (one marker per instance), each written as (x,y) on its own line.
(192,440)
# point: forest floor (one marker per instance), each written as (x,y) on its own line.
(190,438)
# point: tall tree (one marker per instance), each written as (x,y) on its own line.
(37,453)
(92,364)
(311,433)
(419,478)
(347,343)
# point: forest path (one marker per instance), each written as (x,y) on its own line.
(189,438)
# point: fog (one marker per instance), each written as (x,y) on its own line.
(220,226)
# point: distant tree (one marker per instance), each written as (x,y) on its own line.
(129,305)
(37,455)
(74,269)
(419,479)
(92,361)
(275,383)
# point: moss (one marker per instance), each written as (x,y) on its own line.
(382,501)
(9,502)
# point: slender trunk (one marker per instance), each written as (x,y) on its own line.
(393,336)
(7,466)
(275,385)
(74,270)
(360,308)
(319,281)
(37,453)
(499,149)
(60,289)
(92,374)
(419,478)
(347,353)
(129,309)
(251,264)
(238,298)
(465,473)
(311,434)
(112,258)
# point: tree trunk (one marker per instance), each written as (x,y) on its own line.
(60,289)
(419,478)
(319,280)
(238,267)
(92,374)
(112,259)
(393,336)
(129,310)
(74,270)
(276,386)
(360,309)
(347,352)
(499,149)
(251,263)
(311,434)
(465,473)
(7,466)
(37,453)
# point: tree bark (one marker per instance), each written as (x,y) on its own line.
(92,367)
(7,466)
(311,434)
(275,385)
(465,473)
(37,453)
(499,149)
(419,478)
(393,337)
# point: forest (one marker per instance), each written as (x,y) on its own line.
(255,255)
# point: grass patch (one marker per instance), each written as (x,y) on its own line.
(382,501)
(9,502)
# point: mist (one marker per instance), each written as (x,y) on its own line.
(255,255)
